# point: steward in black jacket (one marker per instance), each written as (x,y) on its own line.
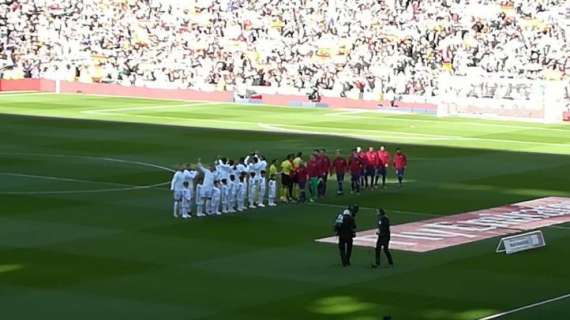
(345,230)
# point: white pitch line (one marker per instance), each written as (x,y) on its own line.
(407,135)
(376,131)
(141,163)
(59,155)
(142,107)
(480,122)
(13,174)
(498,315)
(85,191)
(125,187)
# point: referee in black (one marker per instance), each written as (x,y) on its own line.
(383,241)
(345,229)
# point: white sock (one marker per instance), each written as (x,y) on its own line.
(175,208)
(208,206)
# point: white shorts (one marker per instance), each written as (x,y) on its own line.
(177,195)
(206,192)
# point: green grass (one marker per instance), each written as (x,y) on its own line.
(120,255)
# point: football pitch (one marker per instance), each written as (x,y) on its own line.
(86,229)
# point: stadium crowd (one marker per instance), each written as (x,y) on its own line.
(229,186)
(352,48)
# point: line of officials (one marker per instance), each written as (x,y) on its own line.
(345,227)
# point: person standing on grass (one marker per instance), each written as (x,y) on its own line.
(287,179)
(216,199)
(301,176)
(200,200)
(262,189)
(241,192)
(186,202)
(272,186)
(261,180)
(383,164)
(296,163)
(324,168)
(314,177)
(364,162)
(383,242)
(371,164)
(339,167)
(176,186)
(355,165)
(345,229)
(207,184)
(400,164)
(273,169)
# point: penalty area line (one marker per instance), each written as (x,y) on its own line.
(14,174)
(530,306)
(120,186)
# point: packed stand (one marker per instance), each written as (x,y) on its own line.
(360,48)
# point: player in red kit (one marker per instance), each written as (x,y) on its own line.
(383,164)
(364,162)
(371,164)
(324,166)
(314,177)
(301,176)
(356,166)
(400,164)
(339,167)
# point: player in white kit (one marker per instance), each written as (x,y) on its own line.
(176,186)
(207,184)
(241,192)
(251,188)
(223,169)
(189,175)
(233,193)
(186,208)
(225,192)
(199,201)
(272,186)
(261,183)
(216,198)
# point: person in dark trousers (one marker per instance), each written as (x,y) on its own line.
(383,241)
(339,167)
(400,164)
(345,230)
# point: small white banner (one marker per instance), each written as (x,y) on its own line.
(521,242)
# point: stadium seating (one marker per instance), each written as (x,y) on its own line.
(364,49)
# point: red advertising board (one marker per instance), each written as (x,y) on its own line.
(448,231)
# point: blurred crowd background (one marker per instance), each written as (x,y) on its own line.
(363,49)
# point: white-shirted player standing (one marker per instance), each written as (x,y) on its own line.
(176,186)
(233,193)
(207,184)
(186,203)
(241,192)
(272,185)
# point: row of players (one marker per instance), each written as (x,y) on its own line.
(366,168)
(223,187)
